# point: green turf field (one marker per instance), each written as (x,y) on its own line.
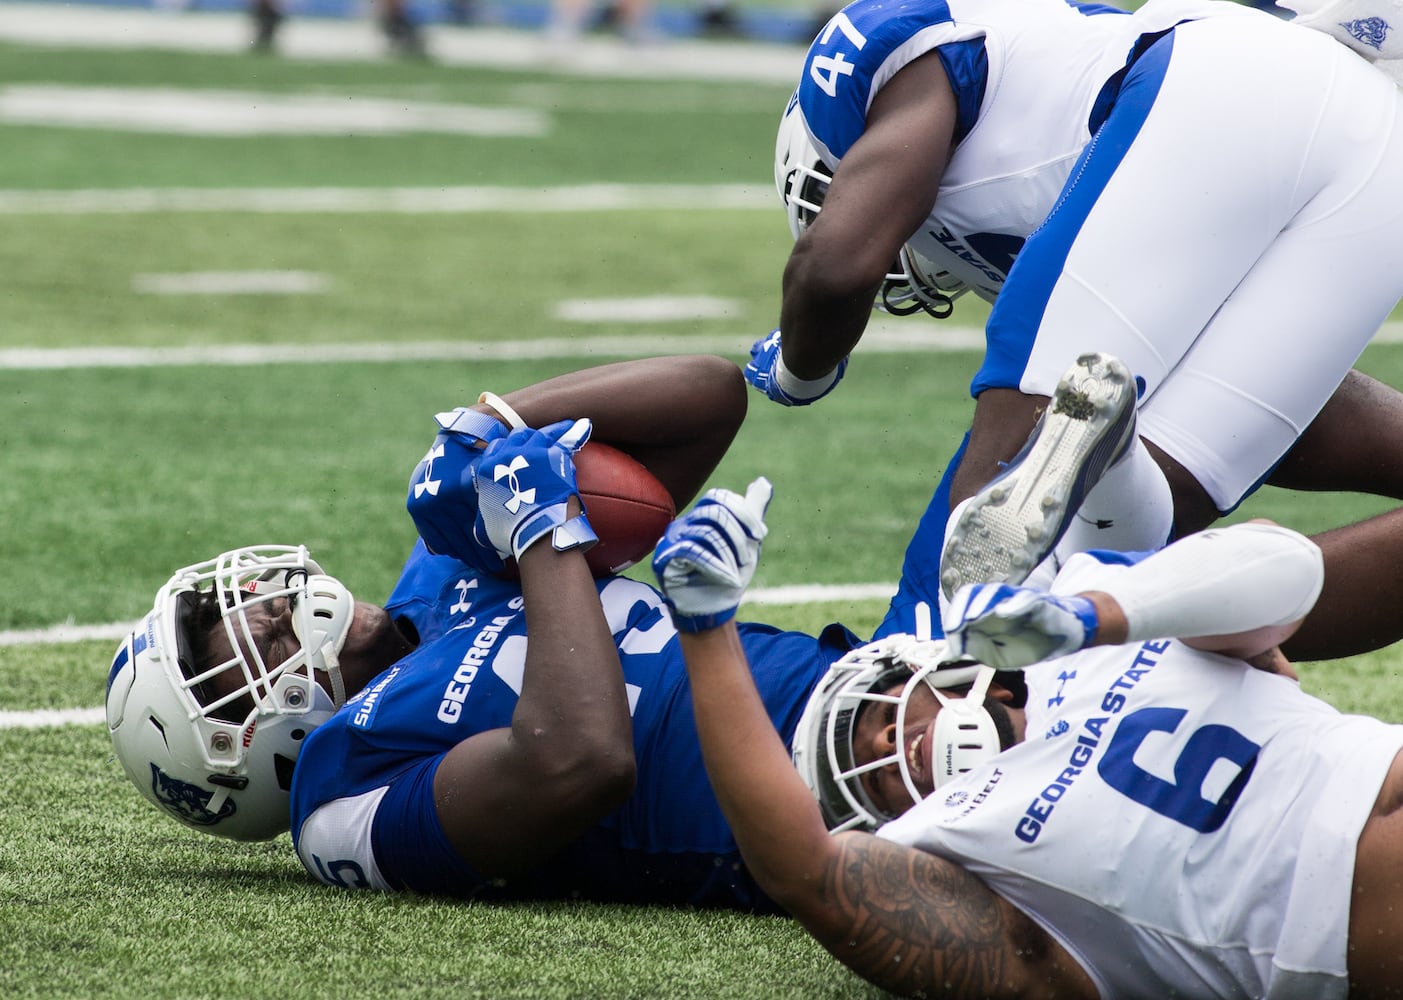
(119,467)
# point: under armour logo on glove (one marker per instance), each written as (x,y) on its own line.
(519,496)
(442,498)
(427,485)
(527,493)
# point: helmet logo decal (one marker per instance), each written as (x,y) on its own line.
(186,801)
(427,485)
(508,472)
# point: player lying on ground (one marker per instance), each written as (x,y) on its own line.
(435,749)
(1162,817)
(462,759)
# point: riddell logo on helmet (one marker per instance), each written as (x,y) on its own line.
(248,733)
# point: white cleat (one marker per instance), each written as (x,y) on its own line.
(1011,525)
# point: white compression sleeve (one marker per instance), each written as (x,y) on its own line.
(1220,581)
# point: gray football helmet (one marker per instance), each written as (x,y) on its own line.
(213,743)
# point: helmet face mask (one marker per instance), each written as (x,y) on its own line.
(824,752)
(213,743)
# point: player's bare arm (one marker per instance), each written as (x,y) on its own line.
(676,415)
(509,798)
(909,922)
(881,192)
(920,925)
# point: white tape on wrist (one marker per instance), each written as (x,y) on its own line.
(798,388)
(497,403)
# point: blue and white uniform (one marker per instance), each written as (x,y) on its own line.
(1256,166)
(1180,822)
(363,811)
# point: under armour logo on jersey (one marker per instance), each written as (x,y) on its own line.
(1062,680)
(463,604)
(427,485)
(1370,31)
(519,496)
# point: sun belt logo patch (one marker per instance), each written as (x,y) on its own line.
(186,801)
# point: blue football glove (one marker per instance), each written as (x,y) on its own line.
(442,496)
(524,484)
(707,556)
(767,373)
(1010,627)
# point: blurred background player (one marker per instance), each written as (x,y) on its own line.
(401,31)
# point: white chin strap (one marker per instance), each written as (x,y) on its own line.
(964,736)
(321,621)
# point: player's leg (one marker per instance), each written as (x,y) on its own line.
(1089,279)
(1008,527)
(1214,210)
(1354,444)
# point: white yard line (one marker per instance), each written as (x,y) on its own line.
(398,201)
(114,631)
(882,338)
(45,718)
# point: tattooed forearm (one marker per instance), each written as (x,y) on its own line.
(919,925)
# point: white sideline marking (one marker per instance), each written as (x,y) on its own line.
(405,201)
(239,113)
(44,718)
(231,283)
(114,631)
(653,309)
(884,335)
(68,633)
(881,338)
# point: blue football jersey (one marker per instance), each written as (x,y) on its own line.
(669,842)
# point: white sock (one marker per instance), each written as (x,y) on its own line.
(1130,510)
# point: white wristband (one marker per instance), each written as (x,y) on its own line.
(797,388)
(497,403)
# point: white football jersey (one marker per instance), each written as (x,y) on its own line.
(1027,102)
(1183,824)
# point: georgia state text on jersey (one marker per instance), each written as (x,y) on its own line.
(1029,78)
(669,842)
(1174,817)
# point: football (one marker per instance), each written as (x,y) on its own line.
(627,506)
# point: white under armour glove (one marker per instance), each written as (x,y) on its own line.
(1010,627)
(524,484)
(707,556)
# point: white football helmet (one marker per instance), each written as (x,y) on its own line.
(222,762)
(801,177)
(965,735)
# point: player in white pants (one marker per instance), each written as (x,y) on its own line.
(1165,818)
(1174,185)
